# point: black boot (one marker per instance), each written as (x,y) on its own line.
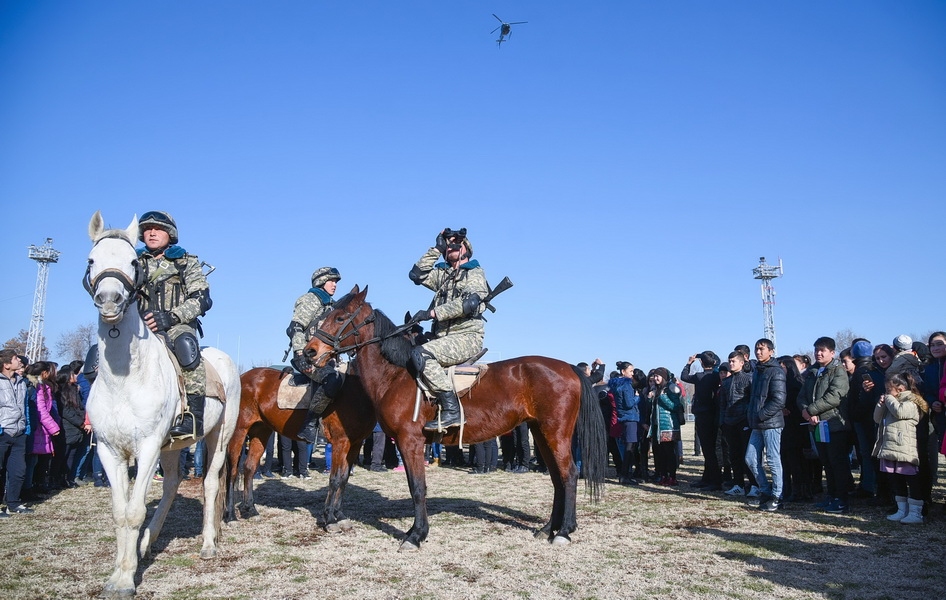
(192,423)
(449,412)
(309,430)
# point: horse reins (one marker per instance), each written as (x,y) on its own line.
(335,341)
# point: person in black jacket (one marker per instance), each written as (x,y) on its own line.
(705,408)
(861,407)
(735,393)
(767,421)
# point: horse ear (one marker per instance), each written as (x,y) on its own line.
(407,317)
(132,231)
(96,226)
(354,290)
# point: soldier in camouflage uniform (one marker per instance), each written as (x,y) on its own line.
(174,295)
(309,310)
(459,285)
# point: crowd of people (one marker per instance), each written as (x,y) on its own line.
(790,428)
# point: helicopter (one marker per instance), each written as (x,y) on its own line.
(505,30)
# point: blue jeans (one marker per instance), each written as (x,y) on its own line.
(768,441)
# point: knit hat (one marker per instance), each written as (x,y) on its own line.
(903,342)
(862,349)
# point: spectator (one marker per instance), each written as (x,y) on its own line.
(861,410)
(898,414)
(905,359)
(594,371)
(823,398)
(735,393)
(626,402)
(706,410)
(641,470)
(933,373)
(666,399)
(14,426)
(73,424)
(766,419)
(796,471)
(43,374)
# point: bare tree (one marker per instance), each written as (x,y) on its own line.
(73,345)
(18,343)
(845,339)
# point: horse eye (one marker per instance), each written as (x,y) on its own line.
(340,319)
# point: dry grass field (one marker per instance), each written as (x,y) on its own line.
(639,542)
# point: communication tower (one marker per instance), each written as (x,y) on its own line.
(43,255)
(767,273)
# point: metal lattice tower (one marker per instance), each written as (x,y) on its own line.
(767,273)
(43,255)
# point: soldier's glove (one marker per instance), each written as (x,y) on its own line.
(422,315)
(164,320)
(441,243)
(301,364)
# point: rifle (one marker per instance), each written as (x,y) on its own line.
(503,285)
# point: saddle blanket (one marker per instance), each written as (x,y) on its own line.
(292,390)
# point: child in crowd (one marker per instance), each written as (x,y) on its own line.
(897,413)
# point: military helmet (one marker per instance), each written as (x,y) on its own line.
(323,275)
(159,219)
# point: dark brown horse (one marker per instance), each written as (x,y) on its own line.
(550,395)
(347,421)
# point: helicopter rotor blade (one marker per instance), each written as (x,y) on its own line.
(517,23)
(494,31)
(497,18)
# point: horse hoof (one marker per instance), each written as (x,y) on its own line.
(110,592)
(542,535)
(407,546)
(333,528)
(207,553)
(561,540)
(346,524)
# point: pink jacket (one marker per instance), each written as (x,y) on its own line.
(47,427)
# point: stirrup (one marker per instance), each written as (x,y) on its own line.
(192,433)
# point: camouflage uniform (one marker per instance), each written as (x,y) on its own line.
(309,310)
(307,313)
(457,330)
(175,283)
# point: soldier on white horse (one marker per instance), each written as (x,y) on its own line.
(174,295)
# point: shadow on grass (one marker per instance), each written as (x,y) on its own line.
(373,509)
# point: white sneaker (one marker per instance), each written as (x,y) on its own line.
(754,492)
(736,491)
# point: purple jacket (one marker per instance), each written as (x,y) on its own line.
(48,426)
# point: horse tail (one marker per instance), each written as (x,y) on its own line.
(592,438)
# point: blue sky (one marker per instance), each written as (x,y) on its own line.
(624,163)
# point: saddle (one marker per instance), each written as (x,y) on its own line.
(464,376)
(213,388)
(294,390)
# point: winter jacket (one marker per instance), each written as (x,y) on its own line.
(768,396)
(905,362)
(898,417)
(666,413)
(625,399)
(47,426)
(73,418)
(824,395)
(13,408)
(933,374)
(735,393)
(705,385)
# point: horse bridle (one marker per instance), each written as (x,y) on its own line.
(131,286)
(335,341)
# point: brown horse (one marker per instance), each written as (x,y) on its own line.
(347,421)
(550,395)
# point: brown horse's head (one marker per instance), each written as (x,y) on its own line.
(340,330)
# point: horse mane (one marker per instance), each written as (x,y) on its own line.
(120,234)
(396,348)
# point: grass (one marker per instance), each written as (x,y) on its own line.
(639,542)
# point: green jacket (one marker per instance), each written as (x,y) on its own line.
(824,394)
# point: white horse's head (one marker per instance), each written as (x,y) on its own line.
(113,276)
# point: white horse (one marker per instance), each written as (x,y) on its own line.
(134,402)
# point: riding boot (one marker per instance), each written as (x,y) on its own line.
(192,423)
(309,430)
(449,412)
